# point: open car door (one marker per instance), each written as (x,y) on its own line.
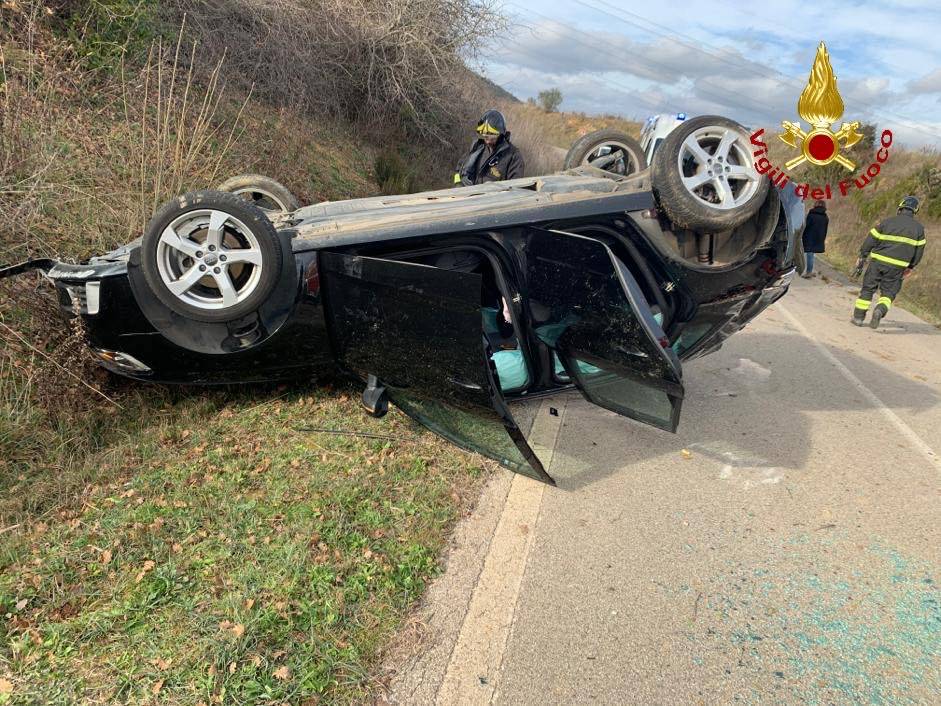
(589,308)
(419,330)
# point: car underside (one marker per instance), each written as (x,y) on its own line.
(451,304)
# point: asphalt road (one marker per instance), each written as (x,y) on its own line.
(783,547)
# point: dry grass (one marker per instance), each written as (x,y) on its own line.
(545,137)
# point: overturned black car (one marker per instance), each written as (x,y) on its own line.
(453,303)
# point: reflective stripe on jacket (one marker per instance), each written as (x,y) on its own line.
(899,240)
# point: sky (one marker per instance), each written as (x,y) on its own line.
(747,62)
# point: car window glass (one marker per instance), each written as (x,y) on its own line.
(592,314)
(690,336)
(625,395)
(595,318)
(471,427)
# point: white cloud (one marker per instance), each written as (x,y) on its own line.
(929,83)
(749,66)
(555,47)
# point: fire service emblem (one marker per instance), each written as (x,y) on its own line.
(820,105)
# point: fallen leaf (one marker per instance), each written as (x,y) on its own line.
(249,603)
(296,463)
(161,664)
(185,434)
(157,687)
(686,453)
(238,629)
(232,668)
(282,673)
(6,686)
(147,567)
(106,556)
(21,604)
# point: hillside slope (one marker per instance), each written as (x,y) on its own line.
(247,545)
(544,138)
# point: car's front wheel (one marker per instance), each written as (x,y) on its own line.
(211,256)
(704,175)
(611,150)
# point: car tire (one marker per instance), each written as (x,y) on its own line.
(704,177)
(585,151)
(264,192)
(211,256)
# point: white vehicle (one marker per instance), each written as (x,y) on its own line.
(655,128)
(617,152)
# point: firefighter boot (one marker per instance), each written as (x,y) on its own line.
(859,317)
(877,315)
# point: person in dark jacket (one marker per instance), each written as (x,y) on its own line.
(894,248)
(815,235)
(492,157)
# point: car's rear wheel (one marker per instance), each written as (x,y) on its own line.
(611,150)
(261,191)
(211,256)
(704,175)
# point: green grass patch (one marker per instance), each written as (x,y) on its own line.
(215,553)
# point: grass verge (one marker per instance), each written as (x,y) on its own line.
(213,552)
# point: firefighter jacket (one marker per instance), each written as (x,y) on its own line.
(479,167)
(898,240)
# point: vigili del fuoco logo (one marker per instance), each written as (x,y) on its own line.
(820,105)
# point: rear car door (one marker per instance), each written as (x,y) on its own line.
(588,307)
(418,329)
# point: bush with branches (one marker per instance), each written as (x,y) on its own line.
(550,99)
(381,63)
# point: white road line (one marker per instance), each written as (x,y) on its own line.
(477,656)
(886,411)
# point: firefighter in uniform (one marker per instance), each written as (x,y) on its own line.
(894,247)
(492,157)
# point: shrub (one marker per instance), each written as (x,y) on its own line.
(550,99)
(388,64)
(393,174)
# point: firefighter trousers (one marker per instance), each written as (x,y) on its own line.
(884,277)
